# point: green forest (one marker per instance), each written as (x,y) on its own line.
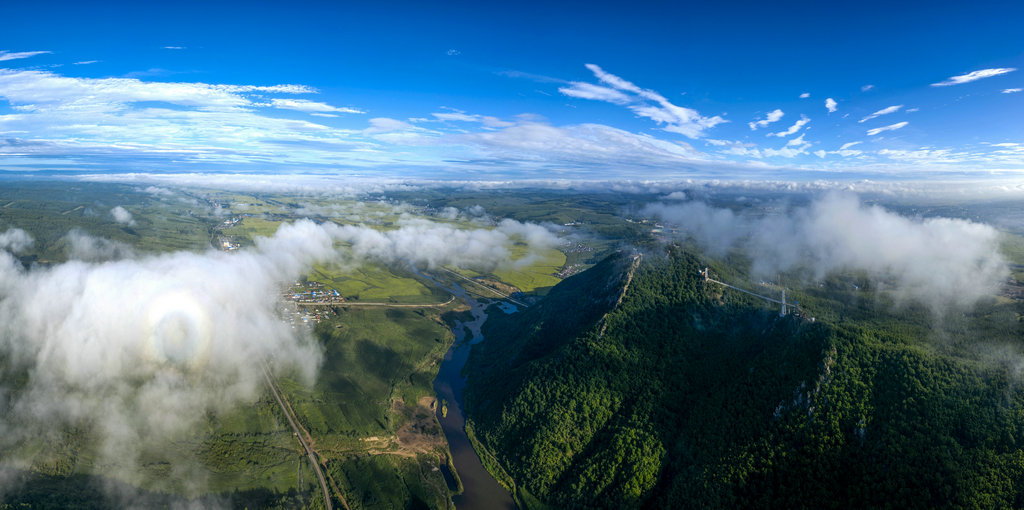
(677,393)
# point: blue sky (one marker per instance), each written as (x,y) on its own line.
(657,91)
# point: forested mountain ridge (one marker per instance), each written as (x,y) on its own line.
(687,396)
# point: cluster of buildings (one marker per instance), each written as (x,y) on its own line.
(301,302)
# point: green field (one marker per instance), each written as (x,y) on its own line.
(538,276)
(376,283)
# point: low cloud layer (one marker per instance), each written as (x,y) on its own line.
(940,262)
(138,350)
(430,244)
(87,248)
(122,216)
(15,240)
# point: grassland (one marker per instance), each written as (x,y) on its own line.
(536,276)
(376,283)
(1013,250)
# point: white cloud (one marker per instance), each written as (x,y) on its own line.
(643,102)
(174,47)
(792,149)
(461,116)
(974,76)
(15,240)
(794,128)
(122,216)
(456,117)
(798,141)
(34,90)
(805,95)
(453,52)
(940,262)
(580,144)
(307,106)
(772,116)
(844,150)
(387,125)
(831,104)
(884,111)
(912,110)
(866,88)
(84,247)
(11,55)
(494,122)
(744,151)
(890,127)
(111,121)
(85,62)
(595,92)
(1012,91)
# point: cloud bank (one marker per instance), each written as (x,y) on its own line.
(15,240)
(138,350)
(937,261)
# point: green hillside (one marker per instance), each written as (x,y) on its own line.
(685,396)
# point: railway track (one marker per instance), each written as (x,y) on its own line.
(300,434)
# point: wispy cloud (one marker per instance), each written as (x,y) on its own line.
(85,62)
(794,128)
(974,76)
(1012,91)
(884,111)
(461,116)
(848,145)
(588,145)
(12,55)
(174,47)
(772,116)
(866,88)
(831,105)
(890,127)
(34,90)
(389,125)
(596,92)
(805,95)
(112,121)
(643,102)
(307,106)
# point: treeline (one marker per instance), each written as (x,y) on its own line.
(25,490)
(685,396)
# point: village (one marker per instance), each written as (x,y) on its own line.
(296,301)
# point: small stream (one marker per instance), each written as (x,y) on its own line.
(480,490)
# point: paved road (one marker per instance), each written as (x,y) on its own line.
(302,440)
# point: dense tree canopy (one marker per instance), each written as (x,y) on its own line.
(683,395)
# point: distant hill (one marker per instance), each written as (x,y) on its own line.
(636,385)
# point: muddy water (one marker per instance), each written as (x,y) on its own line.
(481,490)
